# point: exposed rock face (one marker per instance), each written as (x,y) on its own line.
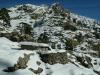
(57,27)
(9,69)
(53,58)
(38,71)
(16,37)
(38,63)
(85,61)
(97,72)
(21,64)
(5,17)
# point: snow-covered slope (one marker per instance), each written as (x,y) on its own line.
(63,31)
(9,57)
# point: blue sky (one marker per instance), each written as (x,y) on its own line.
(89,8)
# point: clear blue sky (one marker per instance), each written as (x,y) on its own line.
(89,8)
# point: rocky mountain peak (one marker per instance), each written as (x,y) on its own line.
(50,35)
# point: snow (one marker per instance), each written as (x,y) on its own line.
(34,44)
(32,63)
(69,34)
(9,57)
(7,44)
(84,19)
(82,47)
(96,63)
(70,69)
(12,58)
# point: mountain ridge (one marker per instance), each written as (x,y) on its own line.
(49,40)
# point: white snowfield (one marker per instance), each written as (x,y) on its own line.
(7,44)
(9,57)
(70,69)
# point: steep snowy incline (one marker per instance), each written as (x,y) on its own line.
(9,57)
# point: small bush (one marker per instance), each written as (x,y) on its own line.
(97,35)
(79,37)
(43,38)
(79,23)
(5,17)
(70,44)
(35,16)
(96,47)
(25,28)
(74,20)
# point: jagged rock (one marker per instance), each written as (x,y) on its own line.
(88,59)
(4,15)
(7,35)
(16,37)
(53,58)
(21,63)
(38,63)
(38,71)
(82,61)
(98,72)
(85,61)
(57,9)
(9,69)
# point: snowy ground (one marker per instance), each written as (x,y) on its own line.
(9,51)
(9,56)
(70,69)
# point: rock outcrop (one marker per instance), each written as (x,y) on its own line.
(21,63)
(53,58)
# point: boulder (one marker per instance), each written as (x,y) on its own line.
(53,58)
